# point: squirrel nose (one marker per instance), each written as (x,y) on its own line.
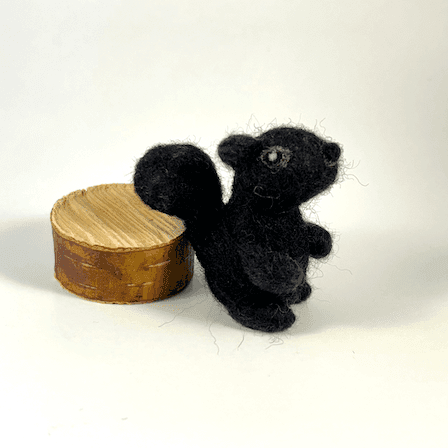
(332,152)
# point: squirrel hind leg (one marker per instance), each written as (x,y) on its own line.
(258,310)
(179,180)
(270,318)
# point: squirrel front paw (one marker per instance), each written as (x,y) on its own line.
(299,295)
(319,240)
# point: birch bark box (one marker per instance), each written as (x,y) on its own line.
(110,247)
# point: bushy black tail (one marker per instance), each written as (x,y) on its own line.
(179,180)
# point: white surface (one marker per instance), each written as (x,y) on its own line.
(87,86)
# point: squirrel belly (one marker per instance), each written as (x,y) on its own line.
(227,277)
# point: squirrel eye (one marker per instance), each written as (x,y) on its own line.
(275,157)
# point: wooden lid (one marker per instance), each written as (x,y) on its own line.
(112,217)
(110,247)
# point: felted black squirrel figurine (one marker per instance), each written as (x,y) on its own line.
(255,249)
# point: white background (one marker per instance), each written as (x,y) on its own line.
(87,86)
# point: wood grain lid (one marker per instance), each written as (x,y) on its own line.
(111,247)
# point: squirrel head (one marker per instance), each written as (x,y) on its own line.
(280,169)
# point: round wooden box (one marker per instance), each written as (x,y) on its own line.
(110,247)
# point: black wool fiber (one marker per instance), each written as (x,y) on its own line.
(255,249)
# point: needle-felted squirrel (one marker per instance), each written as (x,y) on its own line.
(255,249)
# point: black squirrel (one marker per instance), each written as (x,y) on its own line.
(254,249)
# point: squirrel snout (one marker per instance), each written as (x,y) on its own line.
(332,152)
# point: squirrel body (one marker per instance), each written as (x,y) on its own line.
(255,249)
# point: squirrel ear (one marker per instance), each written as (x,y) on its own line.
(234,149)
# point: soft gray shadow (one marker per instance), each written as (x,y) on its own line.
(379,280)
(27,257)
(375,280)
(27,254)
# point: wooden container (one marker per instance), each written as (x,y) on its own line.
(110,247)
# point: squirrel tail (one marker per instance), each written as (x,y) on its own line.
(180,180)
